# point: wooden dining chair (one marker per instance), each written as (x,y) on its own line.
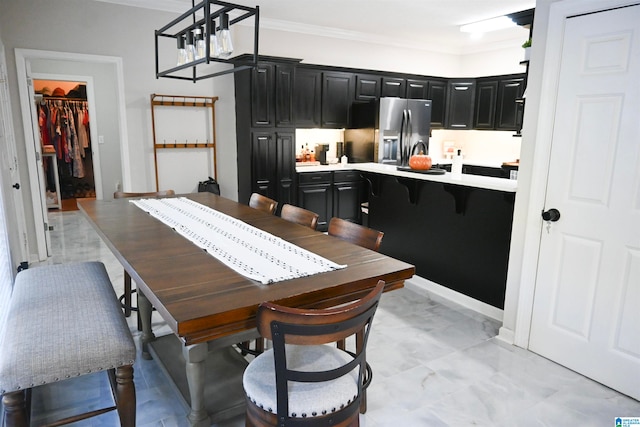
(361,236)
(309,383)
(355,233)
(125,298)
(263,203)
(299,216)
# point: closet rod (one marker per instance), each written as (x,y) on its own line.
(61,98)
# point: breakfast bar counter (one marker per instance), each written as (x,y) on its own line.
(455,230)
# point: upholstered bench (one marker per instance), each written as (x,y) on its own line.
(65,321)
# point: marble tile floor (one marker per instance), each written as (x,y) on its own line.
(435,364)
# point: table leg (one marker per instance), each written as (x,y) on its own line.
(195,357)
(144,311)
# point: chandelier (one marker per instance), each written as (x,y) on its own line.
(187,46)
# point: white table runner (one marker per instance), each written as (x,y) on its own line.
(248,250)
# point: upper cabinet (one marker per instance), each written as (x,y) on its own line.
(394,87)
(460,103)
(367,87)
(509,110)
(417,89)
(337,97)
(485,110)
(272,95)
(497,105)
(307,98)
(262,106)
(437,93)
(284,95)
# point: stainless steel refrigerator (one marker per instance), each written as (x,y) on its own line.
(387,131)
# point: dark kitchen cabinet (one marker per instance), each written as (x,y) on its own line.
(367,87)
(315,194)
(307,98)
(337,96)
(460,103)
(485,109)
(417,89)
(497,104)
(273,165)
(272,95)
(509,111)
(394,87)
(283,89)
(330,194)
(347,195)
(437,93)
(262,97)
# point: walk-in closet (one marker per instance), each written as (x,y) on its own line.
(63,122)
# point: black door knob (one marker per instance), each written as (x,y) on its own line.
(551,215)
(16,186)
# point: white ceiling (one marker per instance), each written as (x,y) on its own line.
(423,24)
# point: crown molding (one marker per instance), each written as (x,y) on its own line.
(178,6)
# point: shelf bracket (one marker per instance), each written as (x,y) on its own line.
(375,183)
(460,194)
(413,187)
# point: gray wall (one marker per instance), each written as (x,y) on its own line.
(97,28)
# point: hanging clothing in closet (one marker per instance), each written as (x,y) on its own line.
(65,125)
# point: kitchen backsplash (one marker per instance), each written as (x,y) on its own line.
(476,145)
(319,136)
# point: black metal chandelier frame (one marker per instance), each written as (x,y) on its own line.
(211,9)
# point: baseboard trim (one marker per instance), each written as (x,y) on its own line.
(420,284)
(506,335)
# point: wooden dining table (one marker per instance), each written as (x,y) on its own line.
(209,306)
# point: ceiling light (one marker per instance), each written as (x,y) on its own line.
(191,31)
(487,25)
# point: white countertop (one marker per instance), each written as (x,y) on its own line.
(489,183)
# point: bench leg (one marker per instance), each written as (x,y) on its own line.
(125,396)
(127,294)
(15,409)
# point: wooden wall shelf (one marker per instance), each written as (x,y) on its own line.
(183,101)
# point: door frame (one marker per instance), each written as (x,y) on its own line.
(16,218)
(23,60)
(93,126)
(559,12)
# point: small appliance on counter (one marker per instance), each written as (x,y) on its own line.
(321,153)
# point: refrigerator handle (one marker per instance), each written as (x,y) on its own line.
(409,133)
(401,147)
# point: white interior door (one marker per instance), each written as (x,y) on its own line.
(586,312)
(40,202)
(9,170)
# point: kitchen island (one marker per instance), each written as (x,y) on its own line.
(456,231)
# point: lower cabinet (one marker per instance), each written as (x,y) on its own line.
(347,195)
(315,194)
(273,165)
(330,194)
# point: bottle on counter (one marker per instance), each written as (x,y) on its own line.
(456,165)
(344,160)
(307,153)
